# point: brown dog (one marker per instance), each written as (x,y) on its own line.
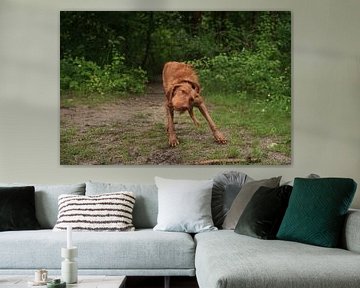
(182,92)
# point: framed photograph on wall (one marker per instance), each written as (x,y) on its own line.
(175,88)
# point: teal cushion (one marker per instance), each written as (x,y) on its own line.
(316,211)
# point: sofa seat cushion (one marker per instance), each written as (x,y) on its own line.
(226,259)
(138,250)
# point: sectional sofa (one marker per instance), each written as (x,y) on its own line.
(218,258)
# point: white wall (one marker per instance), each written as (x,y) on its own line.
(326,91)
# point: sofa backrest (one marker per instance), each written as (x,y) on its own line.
(146,203)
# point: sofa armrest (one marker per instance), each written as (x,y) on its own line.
(351,234)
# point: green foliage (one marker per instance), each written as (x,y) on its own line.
(79,74)
(246,53)
(251,74)
(150,38)
(261,72)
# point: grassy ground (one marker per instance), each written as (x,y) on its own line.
(111,131)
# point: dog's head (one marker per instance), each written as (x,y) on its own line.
(184,96)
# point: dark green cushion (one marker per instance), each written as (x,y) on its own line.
(263,214)
(17,208)
(316,211)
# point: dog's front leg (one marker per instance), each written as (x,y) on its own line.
(192,115)
(170,126)
(219,137)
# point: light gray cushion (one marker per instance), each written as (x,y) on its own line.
(146,204)
(225,259)
(137,250)
(184,205)
(243,198)
(46,200)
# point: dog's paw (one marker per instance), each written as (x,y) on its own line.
(219,137)
(173,141)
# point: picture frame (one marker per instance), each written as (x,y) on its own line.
(113,103)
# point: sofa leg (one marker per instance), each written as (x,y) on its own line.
(167,282)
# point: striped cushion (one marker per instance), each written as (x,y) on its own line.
(105,212)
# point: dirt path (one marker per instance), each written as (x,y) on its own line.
(132,131)
(120,111)
(134,123)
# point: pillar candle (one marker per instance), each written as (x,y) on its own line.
(69,237)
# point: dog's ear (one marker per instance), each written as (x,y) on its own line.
(195,86)
(171,91)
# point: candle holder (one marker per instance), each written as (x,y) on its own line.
(69,271)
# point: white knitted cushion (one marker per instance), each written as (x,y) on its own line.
(105,212)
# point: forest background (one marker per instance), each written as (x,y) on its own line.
(110,68)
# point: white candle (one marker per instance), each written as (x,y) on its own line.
(69,237)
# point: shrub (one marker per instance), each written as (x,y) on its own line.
(254,74)
(79,74)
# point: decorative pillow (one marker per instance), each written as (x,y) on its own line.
(17,208)
(263,215)
(316,211)
(243,198)
(226,187)
(46,200)
(105,212)
(184,205)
